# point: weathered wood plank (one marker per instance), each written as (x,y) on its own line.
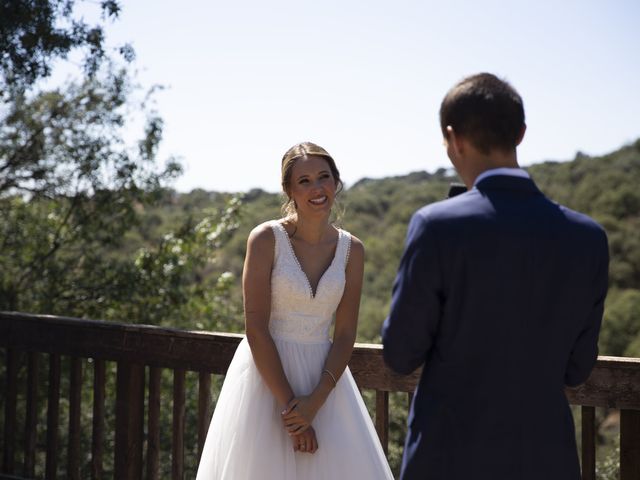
(31,422)
(142,344)
(614,383)
(629,445)
(53,413)
(177,446)
(382,418)
(8,456)
(204,408)
(588,443)
(129,421)
(153,425)
(75,398)
(369,371)
(97,435)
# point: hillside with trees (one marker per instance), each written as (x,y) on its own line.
(378,210)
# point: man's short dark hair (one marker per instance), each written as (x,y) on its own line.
(486,110)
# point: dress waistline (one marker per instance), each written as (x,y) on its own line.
(306,339)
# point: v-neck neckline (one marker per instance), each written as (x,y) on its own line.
(295,257)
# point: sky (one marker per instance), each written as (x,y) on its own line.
(247,79)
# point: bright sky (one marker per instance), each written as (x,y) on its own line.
(364,79)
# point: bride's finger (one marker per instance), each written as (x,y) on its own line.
(296,443)
(311,447)
(292,404)
(294,426)
(300,429)
(294,421)
(291,414)
(295,429)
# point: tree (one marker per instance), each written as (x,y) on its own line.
(70,185)
(72,189)
(33,33)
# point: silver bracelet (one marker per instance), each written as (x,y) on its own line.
(331,375)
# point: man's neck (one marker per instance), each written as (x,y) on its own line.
(481,163)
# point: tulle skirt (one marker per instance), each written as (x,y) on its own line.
(246,439)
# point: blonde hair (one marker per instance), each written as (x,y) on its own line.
(298,151)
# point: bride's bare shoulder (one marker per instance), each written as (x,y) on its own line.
(262,236)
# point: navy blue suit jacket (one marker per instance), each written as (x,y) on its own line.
(499,296)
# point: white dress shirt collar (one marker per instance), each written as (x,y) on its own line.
(513,172)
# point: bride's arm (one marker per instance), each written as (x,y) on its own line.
(256,289)
(301,410)
(346,327)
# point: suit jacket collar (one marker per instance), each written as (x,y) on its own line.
(507,182)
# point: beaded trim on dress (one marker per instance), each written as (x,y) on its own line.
(336,257)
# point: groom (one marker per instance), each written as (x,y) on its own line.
(499,297)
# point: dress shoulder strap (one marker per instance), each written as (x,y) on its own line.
(279,233)
(344,247)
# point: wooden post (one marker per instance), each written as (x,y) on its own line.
(204,409)
(382,418)
(129,421)
(75,398)
(177,447)
(153,425)
(629,444)
(97,435)
(53,412)
(8,460)
(588,443)
(30,426)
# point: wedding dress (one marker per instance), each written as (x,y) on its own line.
(246,438)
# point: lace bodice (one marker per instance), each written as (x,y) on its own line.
(296,313)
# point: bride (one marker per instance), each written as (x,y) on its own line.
(289,407)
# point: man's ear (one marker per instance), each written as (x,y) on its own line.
(454,141)
(521,136)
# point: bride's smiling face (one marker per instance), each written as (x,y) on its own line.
(312,185)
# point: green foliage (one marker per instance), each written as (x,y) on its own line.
(81,222)
(621,333)
(608,468)
(74,195)
(70,143)
(33,33)
(606,189)
(69,194)
(176,282)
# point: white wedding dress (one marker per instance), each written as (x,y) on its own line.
(246,438)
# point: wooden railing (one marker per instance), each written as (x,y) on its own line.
(138,349)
